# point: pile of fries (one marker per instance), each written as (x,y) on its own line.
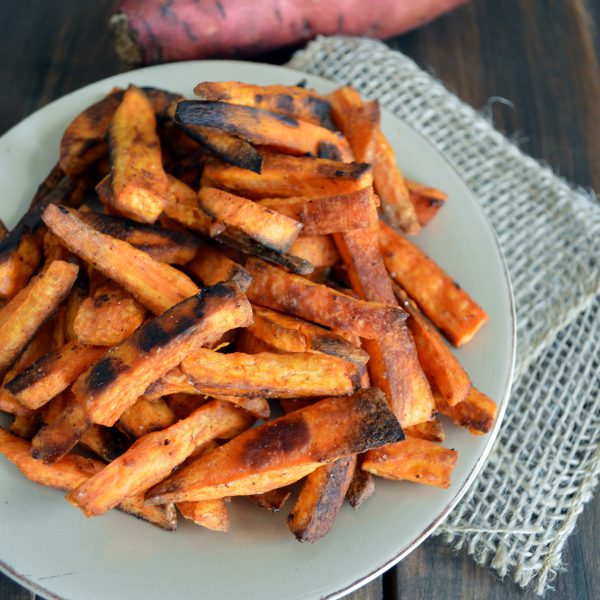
(192,266)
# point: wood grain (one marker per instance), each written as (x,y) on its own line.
(540,55)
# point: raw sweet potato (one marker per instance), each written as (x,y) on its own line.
(450,308)
(318,250)
(146,416)
(426,200)
(476,412)
(285,176)
(262,127)
(284,450)
(274,375)
(266,226)
(155,285)
(413,459)
(276,289)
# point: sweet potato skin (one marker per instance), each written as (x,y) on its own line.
(282,451)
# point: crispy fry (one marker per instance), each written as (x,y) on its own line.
(285,176)
(412,459)
(26,425)
(20,255)
(274,375)
(272,500)
(108,317)
(155,285)
(105,442)
(266,226)
(450,308)
(70,472)
(476,412)
(139,182)
(320,500)
(145,416)
(276,289)
(51,374)
(284,450)
(426,200)
(211,266)
(292,101)
(211,514)
(255,405)
(79,292)
(318,250)
(183,405)
(155,455)
(27,311)
(431,430)
(260,126)
(362,486)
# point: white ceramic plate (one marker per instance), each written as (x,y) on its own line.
(50,547)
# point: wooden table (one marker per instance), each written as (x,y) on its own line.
(538,54)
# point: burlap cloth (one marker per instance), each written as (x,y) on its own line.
(546,460)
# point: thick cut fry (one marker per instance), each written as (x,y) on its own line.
(70,472)
(284,450)
(139,182)
(391,188)
(266,226)
(108,317)
(164,245)
(450,308)
(362,486)
(211,266)
(357,120)
(276,289)
(272,500)
(320,500)
(318,250)
(26,425)
(476,412)
(426,201)
(292,101)
(293,375)
(105,442)
(153,456)
(155,285)
(27,311)
(412,459)
(329,214)
(19,257)
(117,380)
(431,430)
(262,127)
(443,371)
(146,416)
(285,176)
(211,514)
(49,375)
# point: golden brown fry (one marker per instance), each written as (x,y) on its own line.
(155,285)
(284,450)
(477,412)
(412,459)
(320,500)
(292,375)
(153,456)
(27,311)
(426,201)
(450,308)
(211,266)
(266,226)
(272,500)
(183,405)
(285,176)
(318,250)
(293,101)
(19,257)
(108,317)
(139,182)
(146,416)
(255,405)
(276,289)
(362,486)
(26,425)
(211,514)
(107,443)
(431,430)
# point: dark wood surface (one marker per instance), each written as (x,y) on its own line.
(538,54)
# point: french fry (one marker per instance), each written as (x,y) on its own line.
(272,500)
(153,456)
(320,500)
(266,226)
(276,289)
(51,374)
(362,486)
(391,188)
(164,245)
(260,126)
(443,371)
(108,317)
(285,450)
(211,514)
(27,311)
(292,101)
(285,176)
(257,406)
(211,266)
(318,250)
(79,292)
(431,430)
(183,405)
(138,180)
(20,255)
(146,416)
(426,201)
(412,459)
(477,412)
(450,308)
(105,442)
(274,375)
(70,472)
(26,425)
(329,214)
(155,285)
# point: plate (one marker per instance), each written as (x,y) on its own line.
(50,547)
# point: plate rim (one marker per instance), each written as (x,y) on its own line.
(502,404)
